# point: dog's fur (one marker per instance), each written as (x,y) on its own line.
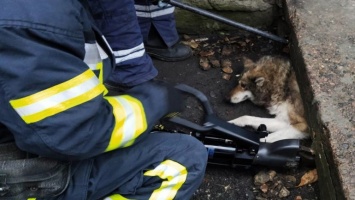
(270,82)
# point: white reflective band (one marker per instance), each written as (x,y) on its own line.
(130,122)
(93,55)
(151,8)
(57,99)
(156,13)
(129,54)
(126,52)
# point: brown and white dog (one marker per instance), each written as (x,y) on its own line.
(270,82)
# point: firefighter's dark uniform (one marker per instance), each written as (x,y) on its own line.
(52,99)
(126,25)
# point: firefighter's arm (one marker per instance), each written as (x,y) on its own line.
(139,109)
(54,104)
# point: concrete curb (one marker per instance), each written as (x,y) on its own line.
(323,53)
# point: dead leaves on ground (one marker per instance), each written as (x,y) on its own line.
(272,185)
(216,53)
(308,178)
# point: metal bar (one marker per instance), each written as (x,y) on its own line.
(226,21)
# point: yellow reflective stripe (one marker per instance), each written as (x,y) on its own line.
(65,105)
(94,56)
(141,124)
(88,74)
(31,199)
(174,175)
(116,197)
(117,133)
(130,121)
(99,66)
(58,98)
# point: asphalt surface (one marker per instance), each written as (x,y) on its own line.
(226,182)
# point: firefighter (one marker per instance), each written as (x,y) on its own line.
(53,102)
(154,33)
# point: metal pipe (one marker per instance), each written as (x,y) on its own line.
(225,20)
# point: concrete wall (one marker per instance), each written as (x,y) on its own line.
(255,13)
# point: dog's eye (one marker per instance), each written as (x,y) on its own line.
(243,85)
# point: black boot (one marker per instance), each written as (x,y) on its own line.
(155,47)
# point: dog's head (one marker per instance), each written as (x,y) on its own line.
(254,83)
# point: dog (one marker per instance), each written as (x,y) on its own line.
(271,83)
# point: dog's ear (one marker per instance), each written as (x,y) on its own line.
(248,63)
(260,81)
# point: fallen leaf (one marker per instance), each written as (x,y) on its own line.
(308,178)
(206,53)
(201,39)
(192,43)
(284,192)
(226,76)
(298,198)
(204,64)
(272,174)
(243,44)
(226,51)
(264,188)
(226,63)
(215,63)
(227,70)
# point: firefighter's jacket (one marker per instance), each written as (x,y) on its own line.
(52,98)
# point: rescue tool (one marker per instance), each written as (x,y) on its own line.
(230,145)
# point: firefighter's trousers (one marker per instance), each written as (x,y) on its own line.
(161,166)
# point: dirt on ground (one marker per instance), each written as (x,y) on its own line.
(214,70)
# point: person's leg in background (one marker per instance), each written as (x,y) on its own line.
(117,21)
(160,36)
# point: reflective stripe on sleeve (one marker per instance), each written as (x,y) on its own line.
(173,174)
(94,54)
(116,197)
(129,54)
(58,98)
(130,121)
(153,11)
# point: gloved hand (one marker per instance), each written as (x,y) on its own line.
(158,97)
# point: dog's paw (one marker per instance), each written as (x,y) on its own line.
(240,121)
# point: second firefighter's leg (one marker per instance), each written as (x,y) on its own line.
(118,22)
(159,31)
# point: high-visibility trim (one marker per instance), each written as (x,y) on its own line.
(99,66)
(94,54)
(59,98)
(130,121)
(174,175)
(142,12)
(31,199)
(129,54)
(116,197)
